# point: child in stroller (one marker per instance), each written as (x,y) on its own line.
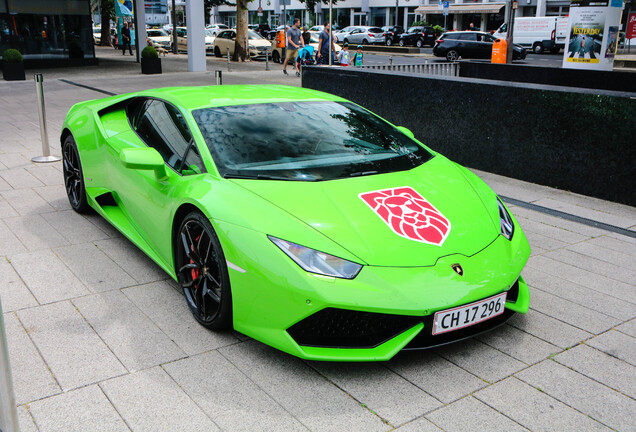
(305,57)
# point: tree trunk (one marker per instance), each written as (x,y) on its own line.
(106,13)
(241,47)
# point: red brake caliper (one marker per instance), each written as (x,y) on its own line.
(194,271)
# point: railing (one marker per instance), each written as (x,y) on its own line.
(444,69)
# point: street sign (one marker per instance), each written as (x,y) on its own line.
(440,5)
(259,11)
(446,4)
(445,11)
(515,5)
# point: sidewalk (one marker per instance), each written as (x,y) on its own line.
(101,339)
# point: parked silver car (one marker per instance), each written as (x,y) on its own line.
(364,35)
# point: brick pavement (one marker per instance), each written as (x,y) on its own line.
(101,339)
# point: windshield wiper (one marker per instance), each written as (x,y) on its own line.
(255,177)
(362,173)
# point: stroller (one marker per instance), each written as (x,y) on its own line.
(305,57)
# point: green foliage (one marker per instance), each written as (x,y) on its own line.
(438,30)
(420,23)
(12,56)
(311,5)
(149,52)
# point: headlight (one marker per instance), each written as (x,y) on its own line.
(507,226)
(318,262)
(252,47)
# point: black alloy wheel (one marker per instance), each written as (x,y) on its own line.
(537,48)
(276,57)
(202,272)
(73,176)
(452,55)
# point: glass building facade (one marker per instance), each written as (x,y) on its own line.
(47,30)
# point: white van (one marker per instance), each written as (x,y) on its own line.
(538,33)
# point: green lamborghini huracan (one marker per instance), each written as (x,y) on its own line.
(299,218)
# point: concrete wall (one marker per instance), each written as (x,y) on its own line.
(574,139)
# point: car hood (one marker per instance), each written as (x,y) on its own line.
(160,38)
(259,42)
(339,209)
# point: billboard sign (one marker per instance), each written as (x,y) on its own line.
(592,34)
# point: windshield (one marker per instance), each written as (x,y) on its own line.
(157,33)
(209,32)
(251,34)
(304,141)
(314,38)
(414,29)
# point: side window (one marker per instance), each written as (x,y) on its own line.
(161,126)
(468,36)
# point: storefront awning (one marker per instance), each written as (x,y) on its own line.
(462,8)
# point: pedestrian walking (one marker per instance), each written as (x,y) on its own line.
(323,46)
(358,57)
(125,35)
(343,57)
(294,42)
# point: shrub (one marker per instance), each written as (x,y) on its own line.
(438,30)
(149,52)
(420,23)
(12,56)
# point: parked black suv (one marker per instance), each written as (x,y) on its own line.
(392,34)
(470,44)
(418,36)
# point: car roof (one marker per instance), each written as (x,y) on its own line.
(192,98)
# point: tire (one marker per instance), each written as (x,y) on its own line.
(217,51)
(275,57)
(202,272)
(389,42)
(537,48)
(365,42)
(401,42)
(419,43)
(452,55)
(346,40)
(74,176)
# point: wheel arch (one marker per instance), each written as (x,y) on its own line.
(183,210)
(65,133)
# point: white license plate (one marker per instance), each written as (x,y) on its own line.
(467,315)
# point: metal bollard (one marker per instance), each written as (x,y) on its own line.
(46,152)
(228,60)
(391,60)
(219,77)
(8,413)
(266,58)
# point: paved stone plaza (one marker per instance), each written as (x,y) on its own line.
(101,339)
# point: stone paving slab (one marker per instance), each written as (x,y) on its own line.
(84,409)
(583,394)
(100,336)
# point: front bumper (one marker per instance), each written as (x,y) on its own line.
(372,317)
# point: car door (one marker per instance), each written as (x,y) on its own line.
(182,39)
(466,45)
(483,46)
(145,194)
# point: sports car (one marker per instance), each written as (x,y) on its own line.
(299,218)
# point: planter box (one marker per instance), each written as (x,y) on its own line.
(151,65)
(13,71)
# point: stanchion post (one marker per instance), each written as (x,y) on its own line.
(8,413)
(266,58)
(219,77)
(46,152)
(228,59)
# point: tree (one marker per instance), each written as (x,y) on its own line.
(311,4)
(108,14)
(241,46)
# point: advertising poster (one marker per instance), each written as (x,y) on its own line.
(593,33)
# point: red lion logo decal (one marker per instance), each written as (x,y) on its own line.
(408,214)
